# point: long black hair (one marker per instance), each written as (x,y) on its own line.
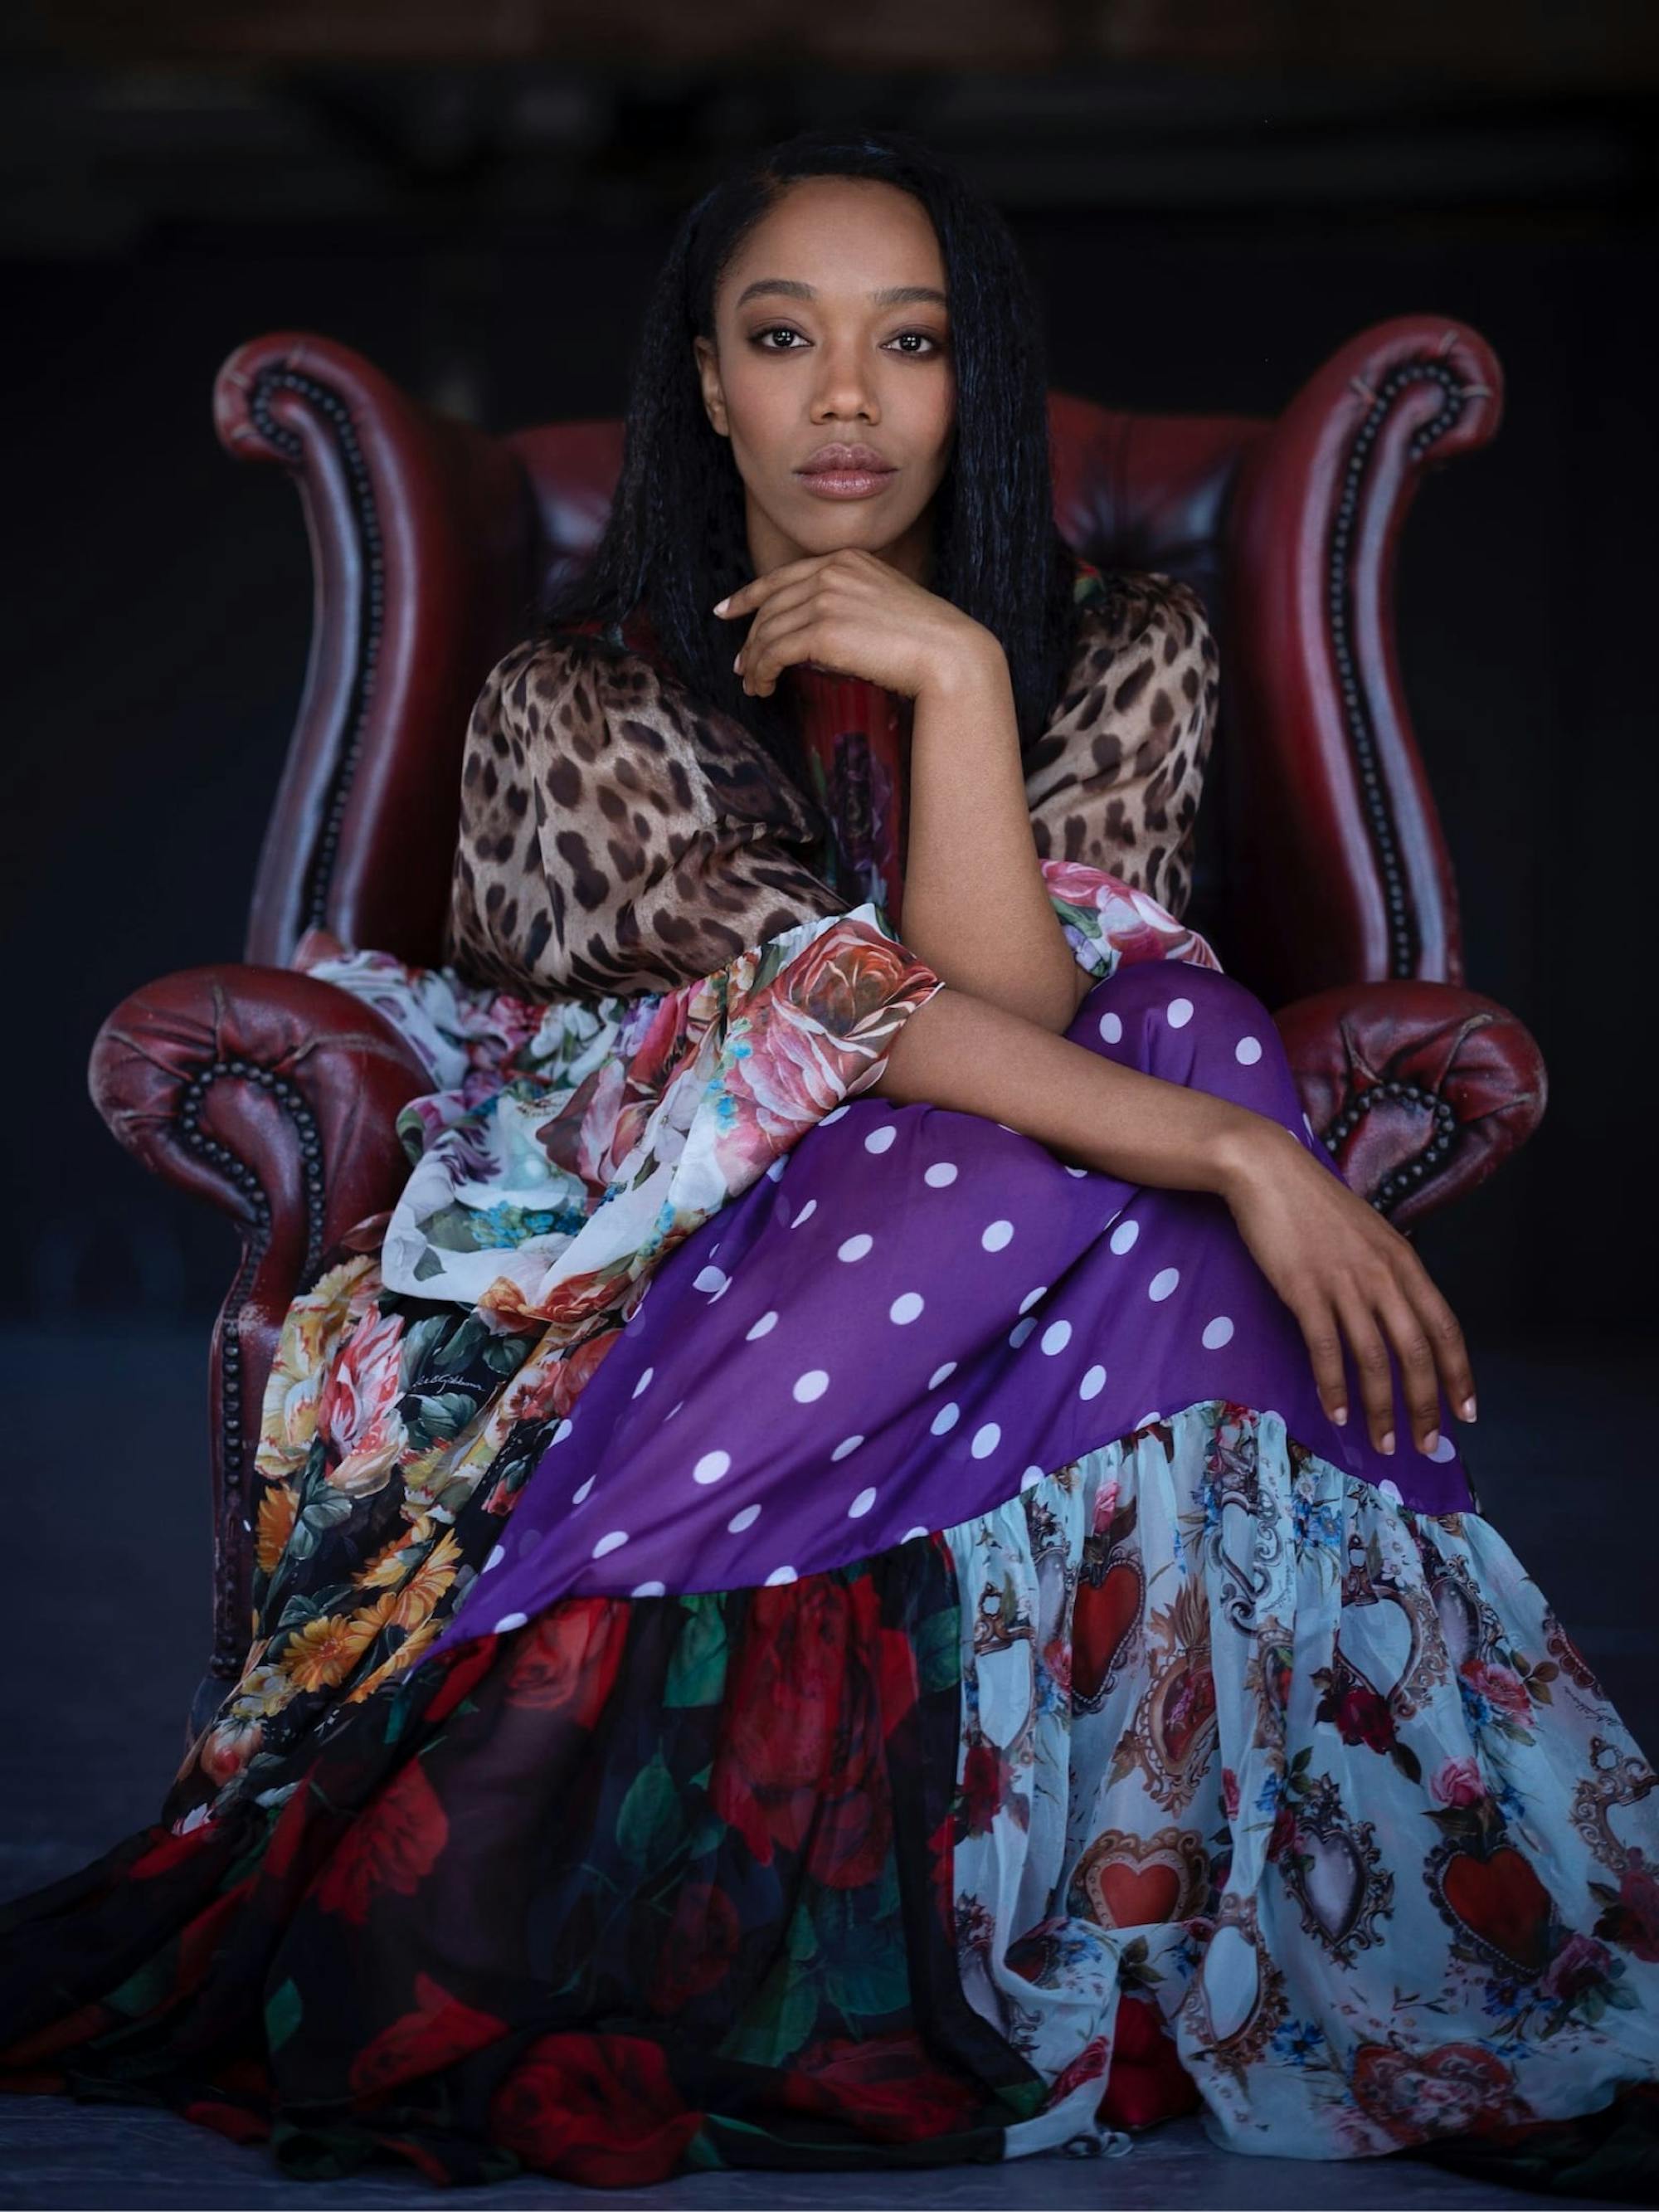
(998,552)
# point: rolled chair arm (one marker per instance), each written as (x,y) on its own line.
(1334,801)
(1418,1090)
(274,1096)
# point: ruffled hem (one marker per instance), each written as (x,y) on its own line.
(857,1871)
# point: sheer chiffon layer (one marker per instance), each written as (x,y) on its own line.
(880,1867)
(1005,1672)
(643,1887)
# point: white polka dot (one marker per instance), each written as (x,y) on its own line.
(496,1558)
(905,1307)
(986,1440)
(1307,1125)
(939,1374)
(911,1534)
(673,1409)
(1032,1297)
(647,1589)
(879,1139)
(1092,1383)
(997,1236)
(563,1431)
(805,1213)
(834,1115)
(746,1519)
(643,1380)
(711,1467)
(861,1504)
(767,1320)
(1445,1449)
(1390,1490)
(774,1173)
(1021,1330)
(1162,1283)
(1077,1171)
(1111,1028)
(812,1384)
(613,1542)
(941,1173)
(509,1620)
(710,1279)
(1031,1474)
(581,1489)
(1217,1332)
(946,1418)
(847,1444)
(1248,1051)
(779,1575)
(855,1247)
(1056,1336)
(1124,1235)
(1179,1013)
(1147,1419)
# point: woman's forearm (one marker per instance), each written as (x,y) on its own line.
(976,905)
(962,1052)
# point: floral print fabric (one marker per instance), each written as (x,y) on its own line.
(569,1143)
(1322,1779)
(396,1418)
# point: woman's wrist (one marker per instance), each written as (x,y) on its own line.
(1242,1150)
(975,663)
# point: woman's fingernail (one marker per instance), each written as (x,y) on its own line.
(1385,1442)
(720,606)
(737,663)
(1338,1414)
(1431,1440)
(1468,1409)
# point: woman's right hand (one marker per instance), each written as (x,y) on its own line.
(1343,1270)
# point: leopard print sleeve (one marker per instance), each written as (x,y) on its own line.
(1114,780)
(614,838)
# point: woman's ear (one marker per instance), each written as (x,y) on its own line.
(714,397)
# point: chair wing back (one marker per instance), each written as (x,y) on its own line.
(1320,855)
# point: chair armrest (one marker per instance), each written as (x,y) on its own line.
(1351,878)
(274,1096)
(1419,1091)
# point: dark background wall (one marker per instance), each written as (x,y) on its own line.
(479,208)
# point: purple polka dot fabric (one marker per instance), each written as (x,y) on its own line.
(917,1314)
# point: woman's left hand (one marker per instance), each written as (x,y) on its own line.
(854,614)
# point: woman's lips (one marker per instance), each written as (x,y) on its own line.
(846,484)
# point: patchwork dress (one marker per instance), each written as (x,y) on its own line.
(796,1631)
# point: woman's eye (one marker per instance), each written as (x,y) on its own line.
(911,342)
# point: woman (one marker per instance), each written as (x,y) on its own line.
(871,1567)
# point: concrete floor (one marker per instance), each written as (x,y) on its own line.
(105,1628)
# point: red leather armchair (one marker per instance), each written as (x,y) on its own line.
(1321,875)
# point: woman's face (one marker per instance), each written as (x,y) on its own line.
(831,328)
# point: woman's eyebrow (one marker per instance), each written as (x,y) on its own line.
(891,295)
